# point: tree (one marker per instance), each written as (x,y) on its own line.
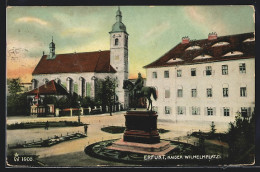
(241,139)
(17,103)
(14,87)
(106,93)
(212,129)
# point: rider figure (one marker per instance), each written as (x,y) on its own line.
(138,84)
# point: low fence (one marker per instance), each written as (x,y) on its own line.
(85,111)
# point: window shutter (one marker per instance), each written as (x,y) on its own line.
(88,88)
(184,110)
(76,88)
(222,111)
(214,111)
(205,111)
(177,110)
(198,110)
(231,111)
(190,108)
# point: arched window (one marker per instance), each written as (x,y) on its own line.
(116,41)
(82,85)
(45,80)
(58,81)
(70,85)
(34,83)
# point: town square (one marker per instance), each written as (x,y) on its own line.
(91,86)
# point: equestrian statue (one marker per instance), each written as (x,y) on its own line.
(137,90)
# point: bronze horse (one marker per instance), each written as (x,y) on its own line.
(144,92)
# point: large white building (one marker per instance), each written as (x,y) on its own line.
(78,72)
(210,79)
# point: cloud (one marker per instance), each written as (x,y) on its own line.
(195,14)
(207,20)
(31,20)
(155,32)
(77,31)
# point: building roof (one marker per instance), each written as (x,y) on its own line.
(119,25)
(231,47)
(50,88)
(98,61)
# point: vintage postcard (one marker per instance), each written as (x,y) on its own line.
(145,86)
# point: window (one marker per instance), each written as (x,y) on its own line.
(154,74)
(208,70)
(45,80)
(167,93)
(244,112)
(224,69)
(166,74)
(209,111)
(180,110)
(193,71)
(167,110)
(242,91)
(242,68)
(179,93)
(70,85)
(116,41)
(195,110)
(193,92)
(209,92)
(178,73)
(34,83)
(226,112)
(225,92)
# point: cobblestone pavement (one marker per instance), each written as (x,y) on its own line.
(178,129)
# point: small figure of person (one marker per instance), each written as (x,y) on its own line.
(85,128)
(47,125)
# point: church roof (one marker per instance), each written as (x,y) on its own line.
(231,47)
(118,27)
(50,88)
(98,61)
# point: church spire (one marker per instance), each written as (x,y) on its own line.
(52,49)
(119,25)
(118,15)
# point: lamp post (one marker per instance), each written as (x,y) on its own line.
(79,112)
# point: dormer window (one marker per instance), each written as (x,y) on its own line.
(116,41)
(195,47)
(249,40)
(233,53)
(220,44)
(202,56)
(174,60)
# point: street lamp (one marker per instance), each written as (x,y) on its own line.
(79,112)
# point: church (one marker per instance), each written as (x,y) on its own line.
(79,72)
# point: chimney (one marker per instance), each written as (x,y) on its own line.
(185,40)
(212,36)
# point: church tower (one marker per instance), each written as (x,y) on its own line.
(52,50)
(119,56)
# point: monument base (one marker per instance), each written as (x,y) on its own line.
(155,149)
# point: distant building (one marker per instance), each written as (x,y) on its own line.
(78,72)
(210,79)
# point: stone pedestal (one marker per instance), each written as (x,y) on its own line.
(141,127)
(141,135)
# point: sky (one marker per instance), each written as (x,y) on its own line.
(153,30)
